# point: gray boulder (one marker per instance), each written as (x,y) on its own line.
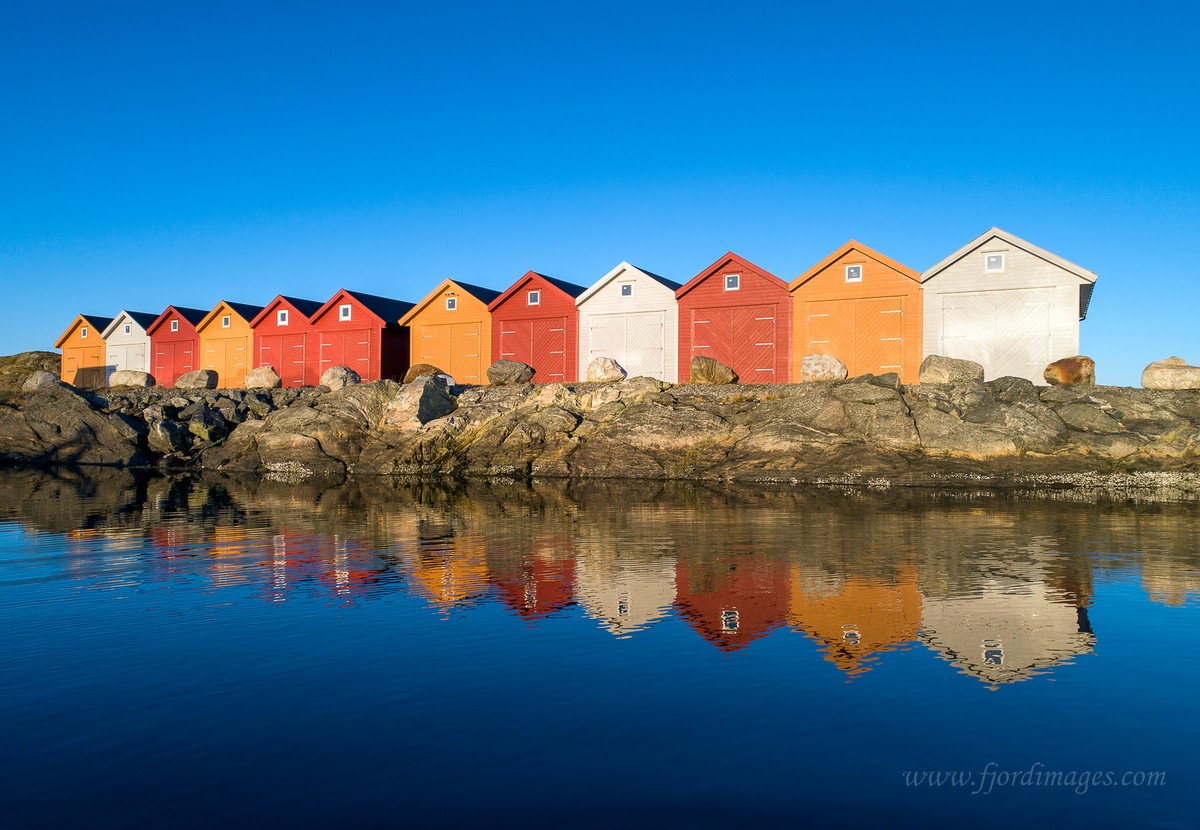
(509,372)
(1172,373)
(938,369)
(605,370)
(819,367)
(418,403)
(199,379)
(166,437)
(129,377)
(264,377)
(709,371)
(207,424)
(337,377)
(39,380)
(1071,371)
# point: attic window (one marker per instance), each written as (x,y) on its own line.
(626,289)
(128,329)
(853,273)
(281,317)
(225,322)
(83,331)
(993,263)
(344,311)
(733,282)
(174,325)
(730,620)
(451,303)
(535,297)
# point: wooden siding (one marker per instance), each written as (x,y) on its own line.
(126,352)
(226,351)
(640,332)
(286,348)
(545,336)
(457,341)
(873,325)
(1012,322)
(375,348)
(173,353)
(82,361)
(748,328)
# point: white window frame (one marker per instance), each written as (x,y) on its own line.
(621,290)
(128,328)
(737,282)
(83,332)
(174,325)
(452,304)
(345,311)
(987,269)
(535,297)
(281,317)
(225,321)
(859,278)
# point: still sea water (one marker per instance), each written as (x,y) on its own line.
(189,653)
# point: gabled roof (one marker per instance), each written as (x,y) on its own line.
(306,307)
(616,272)
(1017,242)
(385,308)
(852,245)
(484,295)
(567,288)
(192,315)
(97,323)
(730,257)
(142,318)
(245,311)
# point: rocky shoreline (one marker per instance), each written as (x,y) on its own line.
(866,431)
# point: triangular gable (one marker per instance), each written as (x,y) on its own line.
(1017,242)
(305,308)
(483,295)
(242,310)
(730,257)
(98,324)
(870,253)
(670,285)
(140,319)
(192,315)
(567,289)
(385,310)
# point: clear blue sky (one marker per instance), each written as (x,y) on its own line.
(169,152)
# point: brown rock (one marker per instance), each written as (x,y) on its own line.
(939,369)
(509,372)
(199,379)
(1071,371)
(1172,373)
(418,369)
(709,371)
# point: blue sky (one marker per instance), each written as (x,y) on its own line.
(155,153)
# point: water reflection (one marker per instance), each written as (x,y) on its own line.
(857,575)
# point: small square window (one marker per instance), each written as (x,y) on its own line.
(174,325)
(225,322)
(344,311)
(993,262)
(128,328)
(730,620)
(281,317)
(83,331)
(733,282)
(853,273)
(626,289)
(535,297)
(451,303)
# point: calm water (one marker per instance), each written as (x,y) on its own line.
(207,653)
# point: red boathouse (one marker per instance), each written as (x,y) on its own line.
(360,331)
(536,322)
(284,339)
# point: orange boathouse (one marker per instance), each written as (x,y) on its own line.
(83,351)
(452,329)
(864,309)
(226,342)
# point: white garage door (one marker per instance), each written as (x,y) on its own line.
(636,341)
(128,356)
(1007,332)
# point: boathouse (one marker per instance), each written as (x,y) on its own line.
(862,308)
(738,314)
(284,339)
(360,331)
(536,322)
(227,342)
(631,315)
(451,328)
(1006,304)
(82,345)
(126,343)
(174,344)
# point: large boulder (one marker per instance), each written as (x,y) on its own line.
(421,369)
(938,369)
(129,377)
(1172,373)
(605,370)
(337,377)
(1071,371)
(206,423)
(199,379)
(58,424)
(39,380)
(707,370)
(509,372)
(167,436)
(819,367)
(419,402)
(264,377)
